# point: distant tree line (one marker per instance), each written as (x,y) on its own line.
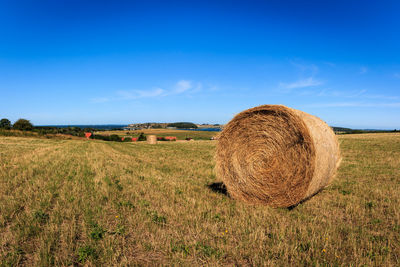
(112,137)
(75,131)
(21,124)
(26,125)
(26,128)
(182,125)
(116,138)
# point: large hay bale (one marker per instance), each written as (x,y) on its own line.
(276,155)
(151,139)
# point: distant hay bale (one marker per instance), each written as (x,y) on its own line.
(276,155)
(151,139)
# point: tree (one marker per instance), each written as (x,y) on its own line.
(141,137)
(23,125)
(115,138)
(5,124)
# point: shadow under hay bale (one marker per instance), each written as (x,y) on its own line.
(275,155)
(218,188)
(302,201)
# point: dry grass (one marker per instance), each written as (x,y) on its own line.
(71,202)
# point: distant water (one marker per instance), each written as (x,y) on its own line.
(96,126)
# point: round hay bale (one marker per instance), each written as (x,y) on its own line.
(151,139)
(275,155)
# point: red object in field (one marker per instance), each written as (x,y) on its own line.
(87,135)
(122,138)
(170,138)
(134,139)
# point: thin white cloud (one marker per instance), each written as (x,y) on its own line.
(186,87)
(99,100)
(330,64)
(182,86)
(305,69)
(197,88)
(309,82)
(343,94)
(363,70)
(388,97)
(213,88)
(355,104)
(135,94)
(360,94)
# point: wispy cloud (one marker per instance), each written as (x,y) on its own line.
(306,72)
(387,97)
(358,94)
(363,70)
(135,94)
(309,82)
(213,88)
(182,87)
(343,94)
(330,64)
(99,100)
(355,104)
(185,86)
(305,69)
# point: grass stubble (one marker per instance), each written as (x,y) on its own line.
(78,202)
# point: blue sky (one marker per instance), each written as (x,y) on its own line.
(117,62)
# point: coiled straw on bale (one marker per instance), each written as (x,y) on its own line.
(151,139)
(276,155)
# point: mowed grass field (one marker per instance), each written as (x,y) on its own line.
(96,203)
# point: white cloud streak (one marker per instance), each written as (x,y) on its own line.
(305,69)
(355,104)
(309,82)
(182,87)
(330,64)
(360,94)
(99,100)
(363,70)
(135,94)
